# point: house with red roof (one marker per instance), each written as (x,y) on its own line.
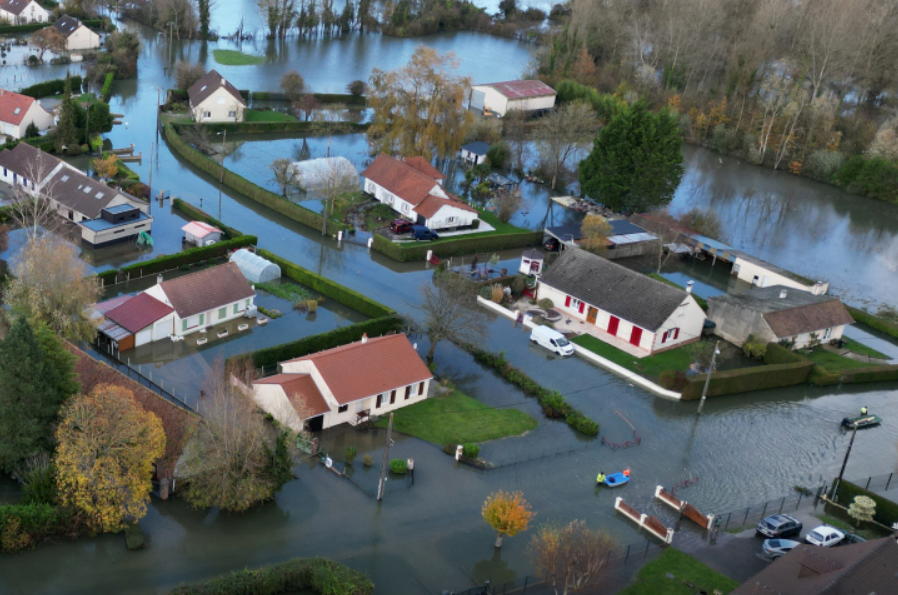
(347,384)
(18,111)
(414,189)
(501,98)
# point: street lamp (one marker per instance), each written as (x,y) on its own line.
(224,140)
(708,379)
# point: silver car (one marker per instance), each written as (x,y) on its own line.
(774,548)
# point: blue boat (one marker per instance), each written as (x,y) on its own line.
(616,479)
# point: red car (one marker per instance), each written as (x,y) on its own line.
(400,226)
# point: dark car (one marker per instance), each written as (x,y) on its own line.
(853,538)
(419,232)
(400,226)
(552,245)
(779,525)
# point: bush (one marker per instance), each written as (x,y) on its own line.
(606,105)
(351,453)
(470,450)
(357,88)
(367,460)
(772,375)
(581,423)
(24,526)
(886,510)
(107,86)
(823,164)
(879,323)
(876,177)
(554,405)
(316,575)
(134,537)
(754,349)
(51,87)
(450,449)
(545,304)
(667,378)
(498,155)
(399,466)
(108,277)
(722,139)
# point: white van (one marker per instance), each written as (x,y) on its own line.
(552,340)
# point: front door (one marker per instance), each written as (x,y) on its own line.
(635,336)
(612,325)
(591,315)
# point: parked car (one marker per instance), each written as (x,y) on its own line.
(853,538)
(779,525)
(552,340)
(774,548)
(552,245)
(400,226)
(419,232)
(824,536)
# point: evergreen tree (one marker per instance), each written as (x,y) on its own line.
(203,9)
(636,162)
(33,386)
(66,128)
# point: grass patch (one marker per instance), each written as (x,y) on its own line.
(285,291)
(834,361)
(653,365)
(458,418)
(235,58)
(861,349)
(254,115)
(273,314)
(699,300)
(86,98)
(652,578)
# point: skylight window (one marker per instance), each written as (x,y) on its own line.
(203,88)
(17,111)
(65,178)
(100,195)
(87,189)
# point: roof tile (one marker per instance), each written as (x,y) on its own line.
(11,102)
(207,289)
(139,312)
(208,84)
(399,178)
(301,391)
(521,89)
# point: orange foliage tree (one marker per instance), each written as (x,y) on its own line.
(104,461)
(507,513)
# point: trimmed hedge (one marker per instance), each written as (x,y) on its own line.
(327,340)
(823,376)
(319,575)
(461,245)
(742,380)
(886,510)
(26,28)
(107,87)
(328,288)
(240,184)
(108,277)
(345,98)
(198,214)
(875,322)
(286,127)
(51,87)
(552,402)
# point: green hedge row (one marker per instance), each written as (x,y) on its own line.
(316,575)
(777,354)
(286,127)
(198,214)
(743,380)
(328,340)
(23,526)
(27,28)
(552,402)
(107,87)
(344,98)
(886,510)
(825,377)
(328,288)
(51,87)
(875,322)
(240,184)
(456,247)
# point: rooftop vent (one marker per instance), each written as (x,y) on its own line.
(65,178)
(689,286)
(783,294)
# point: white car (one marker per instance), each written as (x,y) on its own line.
(824,536)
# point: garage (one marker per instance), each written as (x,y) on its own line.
(143,336)
(163,329)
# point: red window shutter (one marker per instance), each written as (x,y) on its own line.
(664,337)
(582,305)
(676,333)
(567,301)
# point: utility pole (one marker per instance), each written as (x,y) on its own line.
(221,177)
(844,463)
(386,462)
(701,404)
(150,209)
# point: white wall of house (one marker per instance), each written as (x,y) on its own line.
(111,235)
(758,275)
(485,97)
(220,106)
(528,104)
(272,399)
(689,319)
(33,13)
(36,113)
(822,336)
(472,158)
(399,205)
(202,320)
(450,216)
(82,38)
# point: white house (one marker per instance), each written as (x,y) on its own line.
(648,314)
(21,12)
(414,189)
(200,233)
(202,299)
(213,99)
(77,35)
(501,98)
(104,215)
(18,111)
(132,321)
(474,153)
(345,384)
(779,314)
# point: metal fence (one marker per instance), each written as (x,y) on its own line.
(882,483)
(753,514)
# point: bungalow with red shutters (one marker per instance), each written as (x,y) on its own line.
(414,189)
(650,315)
(346,384)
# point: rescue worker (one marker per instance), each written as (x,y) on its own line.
(627,472)
(864,410)
(601,477)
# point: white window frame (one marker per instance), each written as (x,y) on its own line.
(575,303)
(827,333)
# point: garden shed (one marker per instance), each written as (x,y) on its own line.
(255,268)
(318,174)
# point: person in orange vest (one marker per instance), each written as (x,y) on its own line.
(627,472)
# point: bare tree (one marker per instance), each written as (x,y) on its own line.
(34,208)
(186,74)
(198,136)
(507,204)
(282,170)
(293,86)
(450,311)
(48,38)
(563,133)
(572,557)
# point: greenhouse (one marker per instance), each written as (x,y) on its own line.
(255,268)
(319,174)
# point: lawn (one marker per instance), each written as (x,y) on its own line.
(833,361)
(235,58)
(653,365)
(457,419)
(253,115)
(861,349)
(652,578)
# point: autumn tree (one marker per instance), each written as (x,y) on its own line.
(48,38)
(187,73)
(596,230)
(282,172)
(862,509)
(104,462)
(636,162)
(572,557)
(704,221)
(293,86)
(449,311)
(419,108)
(106,167)
(36,377)
(584,69)
(563,133)
(51,285)
(507,513)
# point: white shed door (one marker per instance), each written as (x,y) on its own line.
(163,329)
(143,337)
(477,98)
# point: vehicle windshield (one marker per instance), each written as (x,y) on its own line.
(815,535)
(562,342)
(769,525)
(774,543)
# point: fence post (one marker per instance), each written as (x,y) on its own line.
(627,556)
(783,503)
(867,487)
(745,520)
(729,516)
(526,580)
(800,494)
(889,481)
(647,544)
(763,512)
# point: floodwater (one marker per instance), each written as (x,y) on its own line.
(429,537)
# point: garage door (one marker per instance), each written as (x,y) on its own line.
(143,337)
(163,329)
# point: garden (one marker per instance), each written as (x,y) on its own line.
(676,573)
